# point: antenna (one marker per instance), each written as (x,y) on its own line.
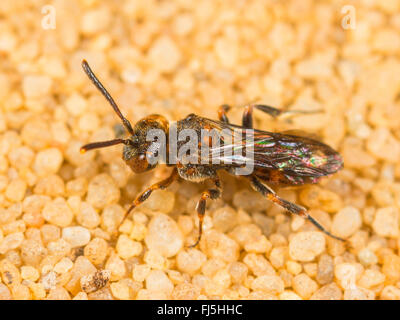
(102,144)
(105,93)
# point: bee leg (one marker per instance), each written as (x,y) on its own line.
(201,206)
(247,119)
(222,110)
(289,206)
(159,185)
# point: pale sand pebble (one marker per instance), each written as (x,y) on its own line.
(386,222)
(164,236)
(306,246)
(76,236)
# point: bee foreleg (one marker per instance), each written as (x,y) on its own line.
(201,205)
(289,206)
(159,185)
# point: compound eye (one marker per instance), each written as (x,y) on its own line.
(139,163)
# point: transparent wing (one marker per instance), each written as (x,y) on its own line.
(294,156)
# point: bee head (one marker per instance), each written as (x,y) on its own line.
(139,152)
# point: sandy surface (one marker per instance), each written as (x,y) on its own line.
(61,235)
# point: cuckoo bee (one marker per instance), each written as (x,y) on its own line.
(277,159)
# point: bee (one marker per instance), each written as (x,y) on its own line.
(278,159)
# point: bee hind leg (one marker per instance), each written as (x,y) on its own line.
(247,119)
(222,110)
(289,206)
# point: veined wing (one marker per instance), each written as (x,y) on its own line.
(292,155)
